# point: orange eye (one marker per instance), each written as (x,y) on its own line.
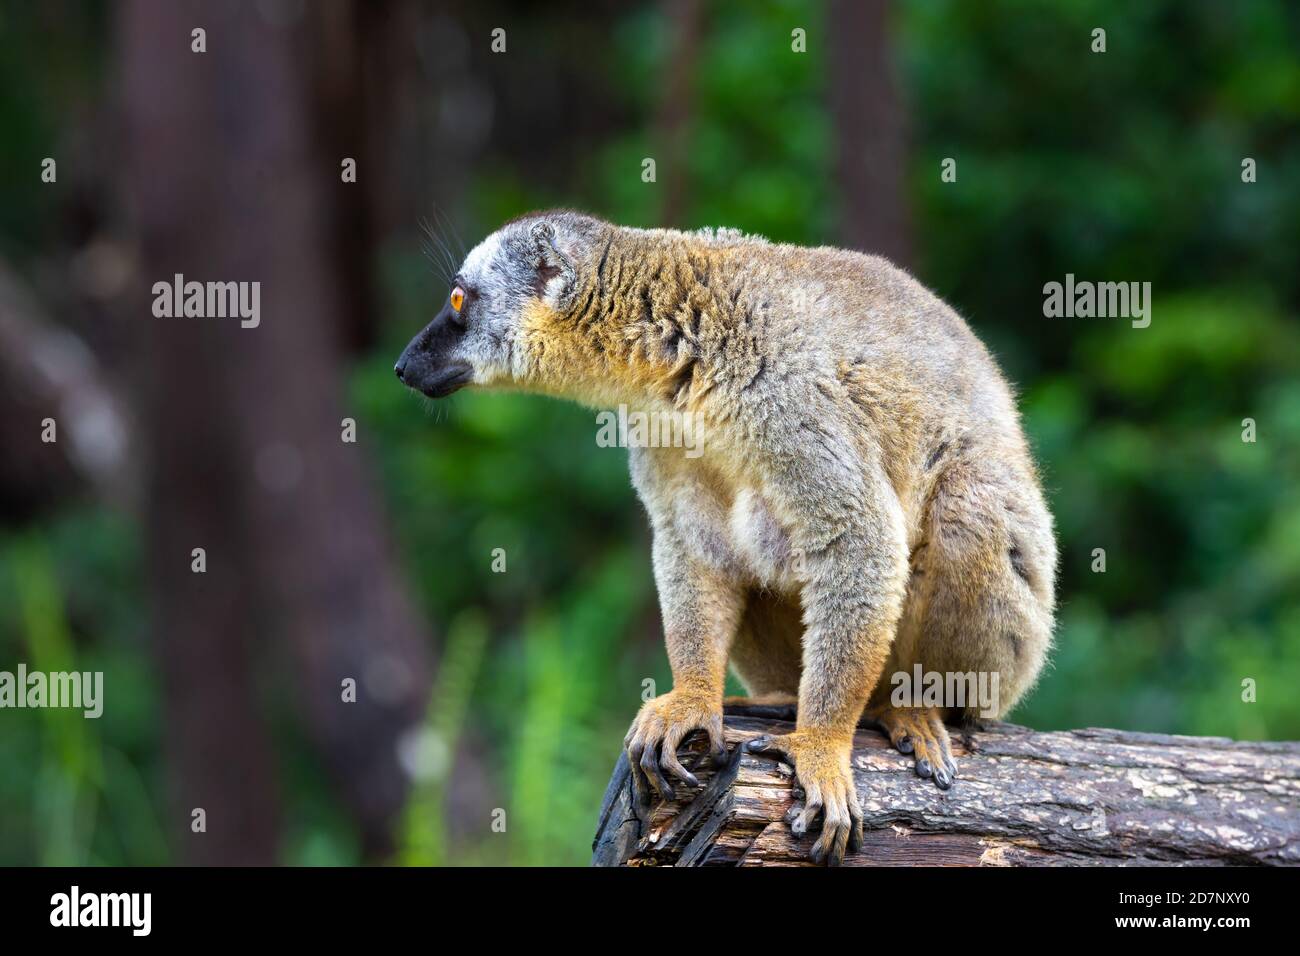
(457,298)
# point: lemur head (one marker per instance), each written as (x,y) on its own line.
(528,264)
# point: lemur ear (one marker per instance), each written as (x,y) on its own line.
(556,278)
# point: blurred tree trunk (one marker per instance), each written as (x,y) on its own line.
(230,178)
(399,99)
(685,24)
(335,45)
(867,112)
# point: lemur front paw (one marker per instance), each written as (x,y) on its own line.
(663,723)
(824,773)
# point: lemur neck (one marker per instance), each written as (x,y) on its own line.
(649,321)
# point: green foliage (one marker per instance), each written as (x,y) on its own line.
(426,837)
(80,791)
(1145,458)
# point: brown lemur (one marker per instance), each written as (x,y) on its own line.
(865,503)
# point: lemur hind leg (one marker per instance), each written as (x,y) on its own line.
(919,731)
(978,611)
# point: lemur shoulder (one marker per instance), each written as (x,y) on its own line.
(866,501)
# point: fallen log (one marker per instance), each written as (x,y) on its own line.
(1022,798)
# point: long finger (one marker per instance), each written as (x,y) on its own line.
(830,846)
(717,740)
(812,809)
(640,785)
(855,820)
(771,746)
(668,758)
(650,764)
(947,772)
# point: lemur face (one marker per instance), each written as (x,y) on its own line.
(472,339)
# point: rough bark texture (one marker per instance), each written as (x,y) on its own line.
(1022,798)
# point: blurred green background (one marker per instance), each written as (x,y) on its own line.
(1122,166)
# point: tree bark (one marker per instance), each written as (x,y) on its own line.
(1022,798)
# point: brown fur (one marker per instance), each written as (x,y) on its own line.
(867,501)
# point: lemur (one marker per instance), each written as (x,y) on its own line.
(866,501)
